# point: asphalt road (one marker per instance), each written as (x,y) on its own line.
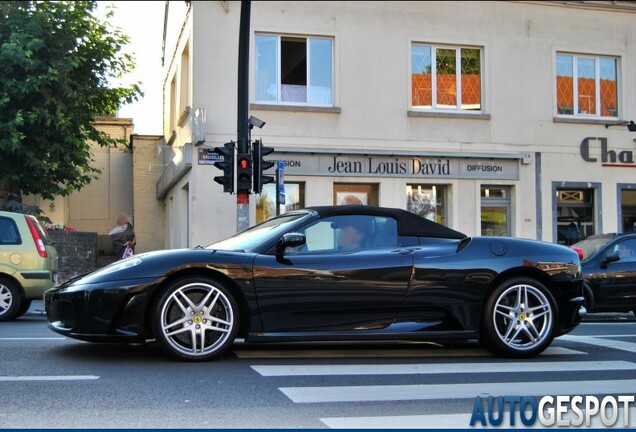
(48,381)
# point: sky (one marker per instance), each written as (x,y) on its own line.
(142,21)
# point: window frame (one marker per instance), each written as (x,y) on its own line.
(597,84)
(458,59)
(307,38)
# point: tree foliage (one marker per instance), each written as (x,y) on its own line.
(58,60)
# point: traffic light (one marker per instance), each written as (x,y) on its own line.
(243,172)
(226,165)
(260,165)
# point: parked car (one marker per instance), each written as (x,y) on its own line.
(28,263)
(330,273)
(608,263)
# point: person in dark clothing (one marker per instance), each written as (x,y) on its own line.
(123,235)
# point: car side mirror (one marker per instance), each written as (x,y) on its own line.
(609,259)
(292,239)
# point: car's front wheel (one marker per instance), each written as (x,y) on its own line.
(10,300)
(519,318)
(195,319)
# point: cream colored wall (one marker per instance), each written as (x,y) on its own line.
(148,210)
(371,87)
(95,207)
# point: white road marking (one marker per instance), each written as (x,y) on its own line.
(381,353)
(49,378)
(377,393)
(439,368)
(598,341)
(31,338)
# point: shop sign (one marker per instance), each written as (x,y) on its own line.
(590,147)
(412,167)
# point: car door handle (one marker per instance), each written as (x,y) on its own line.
(402,251)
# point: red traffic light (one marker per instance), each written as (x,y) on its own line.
(244,163)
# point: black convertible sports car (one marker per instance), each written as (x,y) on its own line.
(330,273)
(609,271)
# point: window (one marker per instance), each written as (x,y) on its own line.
(266,203)
(626,251)
(628,210)
(446,78)
(343,234)
(184,87)
(586,86)
(427,201)
(495,210)
(9,233)
(173,104)
(294,70)
(355,194)
(575,215)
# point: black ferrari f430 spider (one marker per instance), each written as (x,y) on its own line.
(337,273)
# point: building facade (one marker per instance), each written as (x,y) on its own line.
(493,118)
(95,207)
(126,184)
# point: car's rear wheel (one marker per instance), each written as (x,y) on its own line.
(589,298)
(195,319)
(519,318)
(10,300)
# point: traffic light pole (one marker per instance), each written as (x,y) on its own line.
(242,195)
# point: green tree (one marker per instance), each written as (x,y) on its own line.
(57,64)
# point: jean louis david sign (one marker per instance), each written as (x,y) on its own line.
(386,166)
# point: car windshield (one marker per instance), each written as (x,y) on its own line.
(258,234)
(592,245)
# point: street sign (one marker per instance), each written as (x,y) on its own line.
(280,186)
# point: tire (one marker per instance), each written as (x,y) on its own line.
(11,299)
(519,319)
(24,307)
(589,298)
(195,319)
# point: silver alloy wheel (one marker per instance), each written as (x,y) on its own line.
(197,319)
(6,299)
(523,317)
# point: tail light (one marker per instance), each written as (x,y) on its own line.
(37,238)
(579,251)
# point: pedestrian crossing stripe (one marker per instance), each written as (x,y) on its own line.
(606,343)
(304,352)
(385,393)
(439,368)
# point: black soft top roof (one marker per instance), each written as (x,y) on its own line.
(409,224)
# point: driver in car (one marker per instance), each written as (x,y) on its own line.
(625,252)
(352,234)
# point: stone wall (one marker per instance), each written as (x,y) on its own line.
(76,252)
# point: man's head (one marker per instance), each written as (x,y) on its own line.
(350,237)
(624,251)
(352,232)
(121,219)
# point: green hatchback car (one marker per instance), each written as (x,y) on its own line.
(28,263)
